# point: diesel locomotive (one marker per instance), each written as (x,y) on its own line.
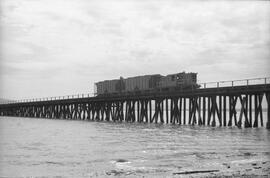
(147,83)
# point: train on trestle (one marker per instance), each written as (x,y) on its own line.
(147,83)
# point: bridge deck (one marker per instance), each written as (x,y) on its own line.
(205,106)
(224,91)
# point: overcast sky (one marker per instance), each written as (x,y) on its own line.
(61,47)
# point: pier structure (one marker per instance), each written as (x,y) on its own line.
(234,105)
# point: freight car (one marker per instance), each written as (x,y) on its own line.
(147,83)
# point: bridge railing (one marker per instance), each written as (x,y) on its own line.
(81,95)
(232,83)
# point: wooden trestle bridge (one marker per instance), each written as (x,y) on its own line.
(240,106)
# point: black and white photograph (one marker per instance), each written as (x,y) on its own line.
(134,88)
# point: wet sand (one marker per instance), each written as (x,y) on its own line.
(248,169)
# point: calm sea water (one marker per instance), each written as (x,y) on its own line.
(32,147)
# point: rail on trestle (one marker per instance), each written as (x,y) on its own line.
(240,106)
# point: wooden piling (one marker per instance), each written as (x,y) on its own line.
(209,109)
(255,124)
(184,111)
(224,111)
(204,109)
(180,112)
(268,110)
(167,111)
(250,110)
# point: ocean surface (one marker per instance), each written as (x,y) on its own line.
(31,147)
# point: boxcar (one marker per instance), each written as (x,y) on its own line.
(142,83)
(107,86)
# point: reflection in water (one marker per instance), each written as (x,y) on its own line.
(44,147)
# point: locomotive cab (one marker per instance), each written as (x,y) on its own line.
(179,81)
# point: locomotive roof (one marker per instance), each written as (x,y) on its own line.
(144,76)
(182,73)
